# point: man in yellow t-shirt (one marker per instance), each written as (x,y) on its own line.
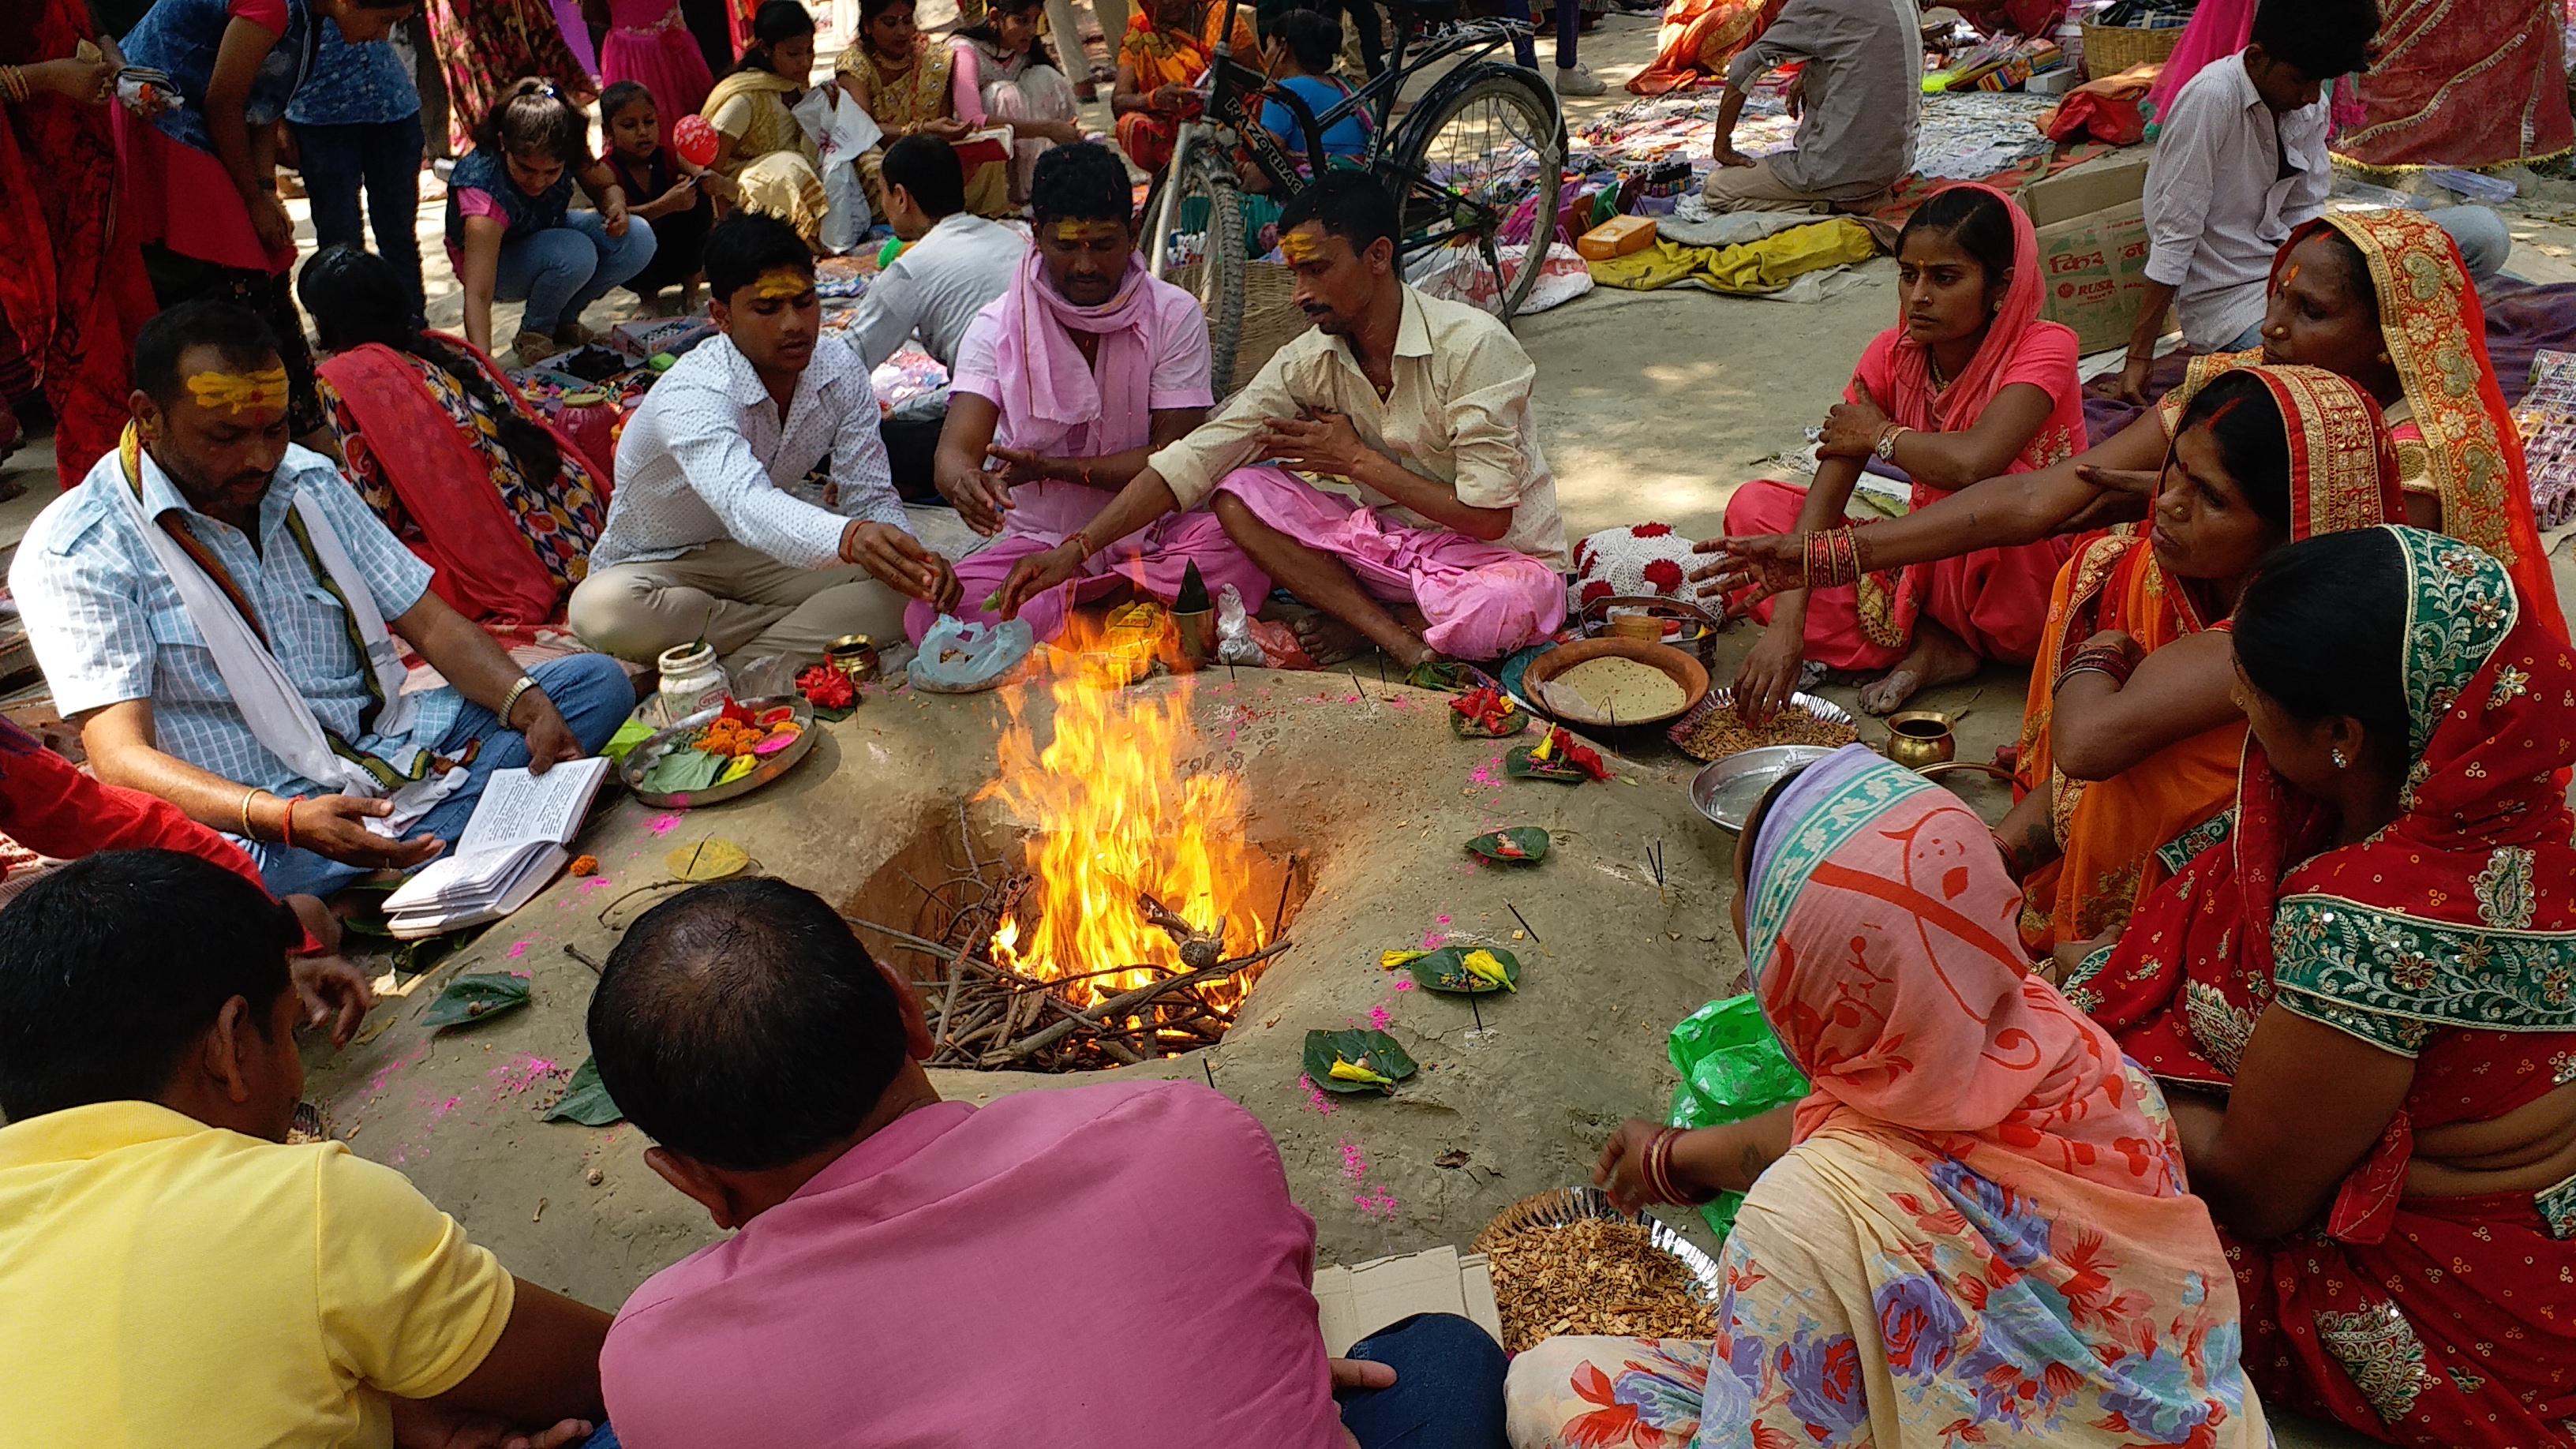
(171,1272)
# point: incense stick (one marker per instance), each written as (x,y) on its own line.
(1524,920)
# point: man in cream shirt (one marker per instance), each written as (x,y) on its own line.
(1453,546)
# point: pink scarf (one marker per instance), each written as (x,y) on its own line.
(1042,374)
(1964,401)
(1884,953)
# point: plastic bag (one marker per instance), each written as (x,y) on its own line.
(961,658)
(1242,639)
(1732,1067)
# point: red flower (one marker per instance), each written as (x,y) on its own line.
(826,688)
(1666,575)
(1651,530)
(1597,590)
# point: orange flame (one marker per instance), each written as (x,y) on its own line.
(1113,810)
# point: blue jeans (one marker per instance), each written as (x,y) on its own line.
(1569,26)
(384,158)
(591,691)
(2485,242)
(560,271)
(1448,1391)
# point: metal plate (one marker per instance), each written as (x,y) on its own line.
(640,760)
(1727,790)
(1723,697)
(1573,1204)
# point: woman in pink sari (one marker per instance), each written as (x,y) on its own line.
(1973,1231)
(1968,384)
(1064,386)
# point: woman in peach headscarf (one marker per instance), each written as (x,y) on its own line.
(1973,1230)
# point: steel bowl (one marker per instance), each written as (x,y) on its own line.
(1727,790)
(640,760)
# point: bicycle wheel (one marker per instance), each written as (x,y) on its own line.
(1197,239)
(1487,146)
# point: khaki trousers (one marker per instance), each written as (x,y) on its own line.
(747,604)
(1758,188)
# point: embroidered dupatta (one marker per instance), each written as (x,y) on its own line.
(2123,836)
(1177,58)
(2467,450)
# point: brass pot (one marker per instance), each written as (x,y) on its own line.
(854,656)
(1920,737)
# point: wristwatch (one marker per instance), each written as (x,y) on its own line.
(1886,448)
(510,701)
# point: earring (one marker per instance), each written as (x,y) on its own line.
(2340,761)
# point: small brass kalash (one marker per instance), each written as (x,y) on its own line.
(1920,737)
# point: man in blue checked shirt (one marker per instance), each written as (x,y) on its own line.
(216,609)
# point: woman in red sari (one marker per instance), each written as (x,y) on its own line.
(73,292)
(2464,83)
(2377,969)
(1968,384)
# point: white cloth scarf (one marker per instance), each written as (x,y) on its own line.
(269,702)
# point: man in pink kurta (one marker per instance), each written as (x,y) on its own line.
(1111,1265)
(1063,386)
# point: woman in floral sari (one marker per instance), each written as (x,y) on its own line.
(1973,1231)
(1168,47)
(907,82)
(486,46)
(2377,966)
(1697,40)
(502,506)
(2130,735)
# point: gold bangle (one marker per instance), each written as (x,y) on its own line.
(253,793)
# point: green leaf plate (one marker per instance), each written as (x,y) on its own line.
(477,997)
(1446,970)
(585,1101)
(684,771)
(1518,765)
(1513,845)
(1372,1049)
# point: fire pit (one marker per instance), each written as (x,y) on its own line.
(1098,904)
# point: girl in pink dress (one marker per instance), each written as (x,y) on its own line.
(648,43)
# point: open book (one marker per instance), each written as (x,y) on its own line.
(510,850)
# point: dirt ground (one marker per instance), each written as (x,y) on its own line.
(1652,406)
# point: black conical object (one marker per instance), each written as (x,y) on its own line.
(1194,595)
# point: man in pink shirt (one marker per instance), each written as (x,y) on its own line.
(1064,386)
(1104,1266)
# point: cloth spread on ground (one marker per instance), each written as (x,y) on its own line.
(1748,268)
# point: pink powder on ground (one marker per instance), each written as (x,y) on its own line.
(597,882)
(664,824)
(1378,1018)
(517,950)
(515,1078)
(1317,1099)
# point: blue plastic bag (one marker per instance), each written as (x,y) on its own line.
(1732,1067)
(961,658)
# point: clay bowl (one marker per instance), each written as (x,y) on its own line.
(1681,668)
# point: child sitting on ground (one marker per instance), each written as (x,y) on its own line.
(1300,49)
(678,198)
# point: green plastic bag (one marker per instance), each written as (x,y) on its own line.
(1732,1068)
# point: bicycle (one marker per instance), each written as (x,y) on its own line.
(1470,157)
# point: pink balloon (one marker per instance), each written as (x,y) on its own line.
(694,139)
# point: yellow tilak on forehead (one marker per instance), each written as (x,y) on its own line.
(1077,233)
(1300,248)
(241,393)
(781,282)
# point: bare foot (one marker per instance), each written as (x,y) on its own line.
(1938,657)
(1327,640)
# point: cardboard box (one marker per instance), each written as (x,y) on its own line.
(1616,237)
(2092,227)
(1352,1303)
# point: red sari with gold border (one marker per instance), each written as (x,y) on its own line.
(2450,938)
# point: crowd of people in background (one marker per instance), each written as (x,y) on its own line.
(2233,1071)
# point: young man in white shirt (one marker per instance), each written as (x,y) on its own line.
(753,508)
(2241,163)
(953,264)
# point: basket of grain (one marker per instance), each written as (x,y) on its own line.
(1613,683)
(1567,1261)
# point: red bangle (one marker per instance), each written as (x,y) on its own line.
(286,823)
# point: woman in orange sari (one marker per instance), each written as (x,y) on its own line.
(1698,39)
(2130,736)
(2374,971)
(1168,47)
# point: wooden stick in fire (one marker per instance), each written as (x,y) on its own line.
(1123,1005)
